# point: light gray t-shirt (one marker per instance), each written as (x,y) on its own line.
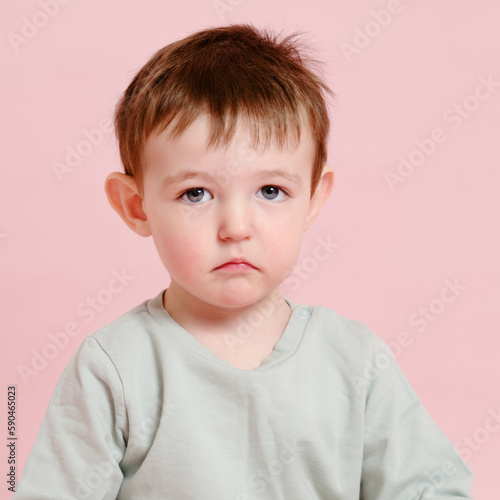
(143,411)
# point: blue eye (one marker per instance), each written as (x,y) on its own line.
(196,195)
(272,193)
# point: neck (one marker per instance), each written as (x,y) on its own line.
(196,315)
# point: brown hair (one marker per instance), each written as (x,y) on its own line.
(224,71)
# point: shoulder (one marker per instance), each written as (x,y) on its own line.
(342,330)
(356,352)
(120,356)
(128,335)
(351,343)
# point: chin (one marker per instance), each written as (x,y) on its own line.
(237,298)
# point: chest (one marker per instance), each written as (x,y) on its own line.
(244,354)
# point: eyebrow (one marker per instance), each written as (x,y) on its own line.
(182,176)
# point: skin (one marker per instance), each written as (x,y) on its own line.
(235,210)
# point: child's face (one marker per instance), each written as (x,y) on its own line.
(235,202)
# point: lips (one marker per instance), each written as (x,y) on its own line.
(236,264)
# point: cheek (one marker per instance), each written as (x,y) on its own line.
(182,258)
(181,248)
(288,226)
(284,242)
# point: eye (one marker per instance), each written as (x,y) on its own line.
(272,193)
(196,195)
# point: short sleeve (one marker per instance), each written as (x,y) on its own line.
(406,456)
(83,435)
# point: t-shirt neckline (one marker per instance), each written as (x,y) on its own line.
(284,348)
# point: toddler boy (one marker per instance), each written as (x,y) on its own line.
(220,387)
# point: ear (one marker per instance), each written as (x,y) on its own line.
(323,190)
(123,196)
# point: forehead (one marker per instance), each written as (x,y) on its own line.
(192,146)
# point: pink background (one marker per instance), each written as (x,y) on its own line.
(394,250)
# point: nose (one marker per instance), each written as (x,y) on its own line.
(235,221)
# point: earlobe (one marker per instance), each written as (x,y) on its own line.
(323,190)
(123,195)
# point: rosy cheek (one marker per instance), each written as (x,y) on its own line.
(183,249)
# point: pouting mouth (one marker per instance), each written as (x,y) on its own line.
(236,261)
